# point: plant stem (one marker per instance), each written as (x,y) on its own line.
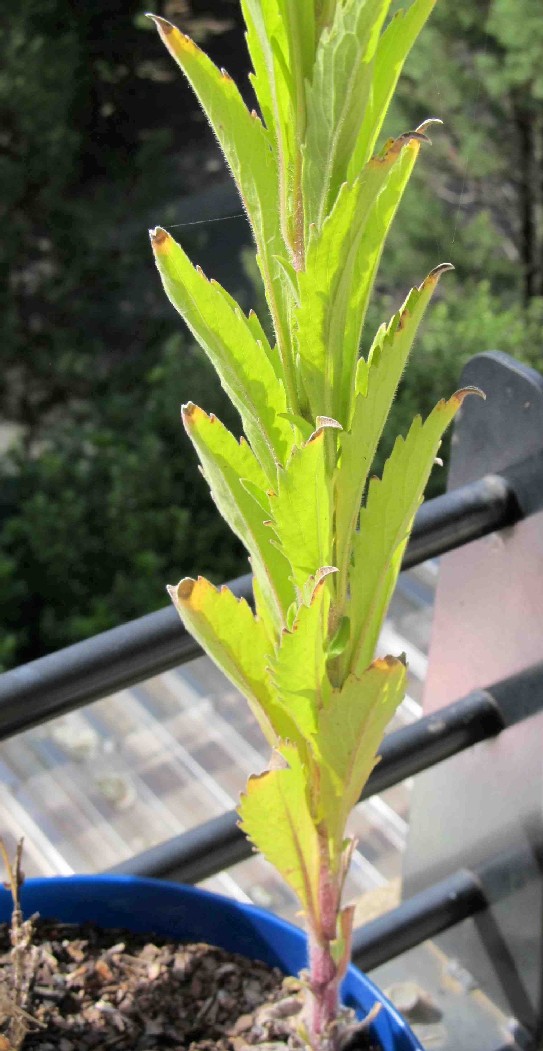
(323,995)
(283,345)
(322,1003)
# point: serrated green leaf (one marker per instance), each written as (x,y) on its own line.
(264,608)
(270,51)
(376,386)
(276,817)
(392,169)
(259,48)
(341,263)
(261,337)
(238,486)
(392,51)
(350,731)
(245,142)
(252,157)
(235,640)
(223,331)
(385,524)
(258,494)
(301,512)
(336,100)
(298,670)
(281,40)
(303,426)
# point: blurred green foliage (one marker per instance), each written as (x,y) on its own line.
(109,511)
(101,503)
(478,195)
(476,198)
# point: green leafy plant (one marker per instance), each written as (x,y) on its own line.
(325,539)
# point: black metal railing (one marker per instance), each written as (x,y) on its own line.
(439,907)
(422,916)
(157,642)
(218,843)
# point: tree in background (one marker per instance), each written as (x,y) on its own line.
(106,512)
(93,128)
(90,369)
(480,67)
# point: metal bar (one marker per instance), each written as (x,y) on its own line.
(423,916)
(194,855)
(518,697)
(123,656)
(460,516)
(88,670)
(203,851)
(436,737)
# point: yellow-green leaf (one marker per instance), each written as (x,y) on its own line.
(244,367)
(258,44)
(391,170)
(236,641)
(245,142)
(336,100)
(350,732)
(341,263)
(385,524)
(238,486)
(251,154)
(393,49)
(298,670)
(301,511)
(377,383)
(276,817)
(281,40)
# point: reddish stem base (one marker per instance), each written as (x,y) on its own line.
(322,1004)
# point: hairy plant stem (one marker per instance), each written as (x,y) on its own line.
(283,344)
(323,994)
(322,1005)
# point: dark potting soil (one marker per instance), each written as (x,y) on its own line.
(95,988)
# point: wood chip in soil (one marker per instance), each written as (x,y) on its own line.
(110,988)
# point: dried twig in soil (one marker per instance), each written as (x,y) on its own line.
(15,1021)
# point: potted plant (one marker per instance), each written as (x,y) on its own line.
(325,538)
(185,914)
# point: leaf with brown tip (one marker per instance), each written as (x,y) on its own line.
(275,815)
(243,365)
(385,524)
(251,154)
(376,386)
(236,641)
(350,731)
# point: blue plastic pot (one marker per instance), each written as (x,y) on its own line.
(189,914)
